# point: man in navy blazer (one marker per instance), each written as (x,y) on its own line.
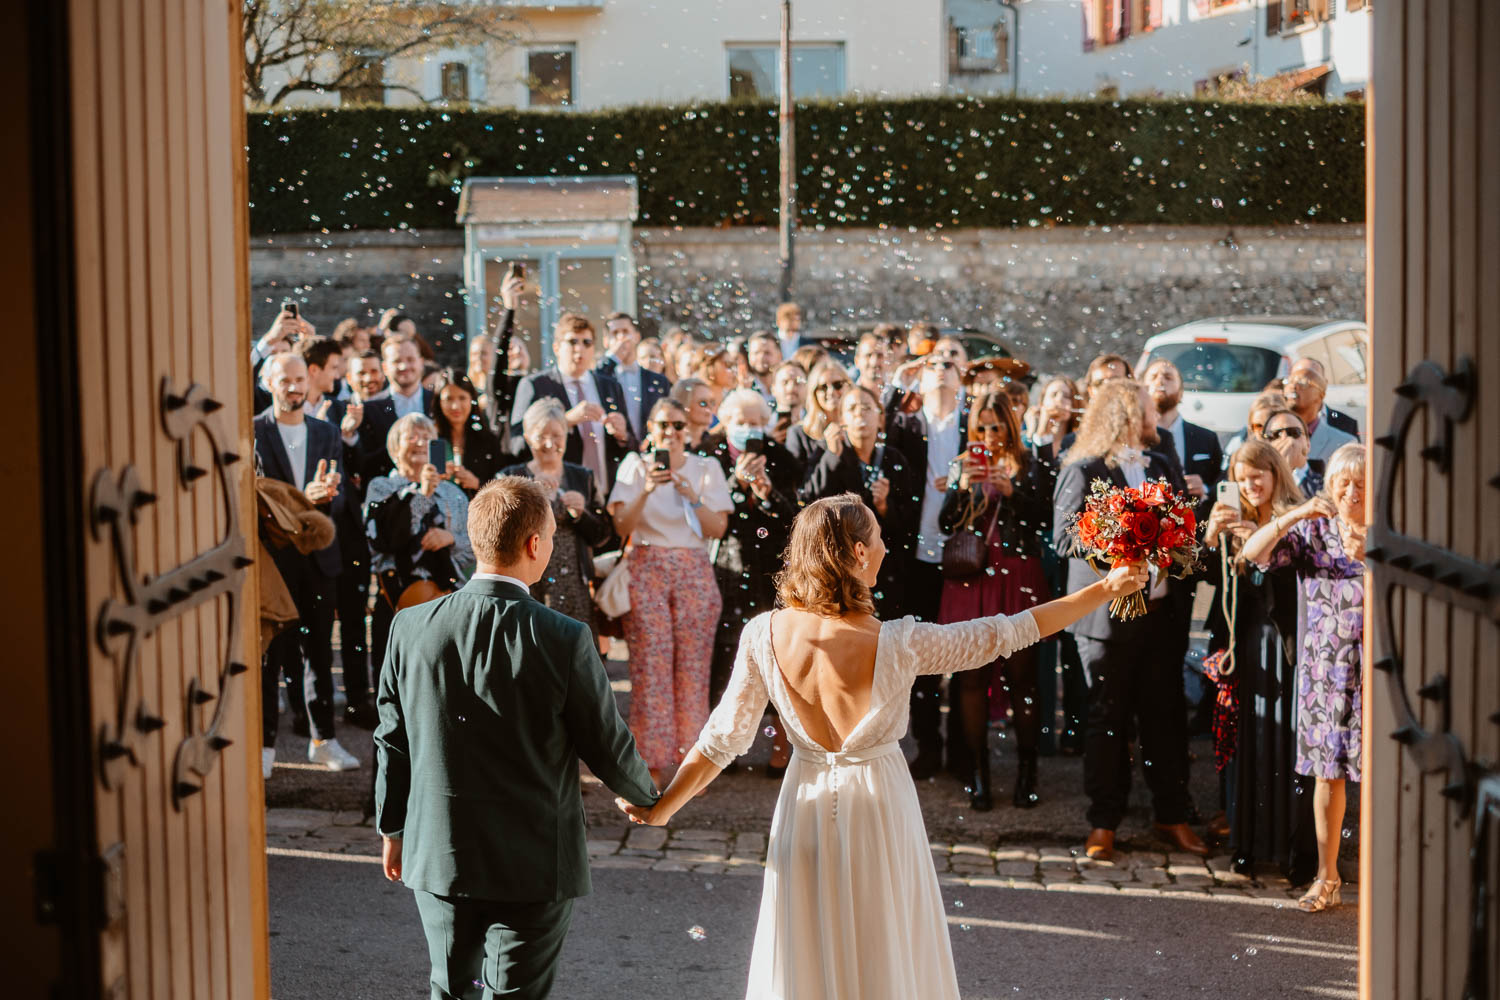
(306,453)
(401,361)
(1195,449)
(642,387)
(599,435)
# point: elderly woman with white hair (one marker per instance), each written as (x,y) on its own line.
(582,523)
(1323,541)
(763,479)
(417,523)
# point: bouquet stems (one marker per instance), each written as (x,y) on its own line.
(1126,608)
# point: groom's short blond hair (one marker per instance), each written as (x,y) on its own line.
(503,516)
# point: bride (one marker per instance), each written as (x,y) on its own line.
(851,905)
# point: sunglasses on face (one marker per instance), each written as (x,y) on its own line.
(838,386)
(1302,383)
(676,425)
(1295,433)
(940,366)
(991,428)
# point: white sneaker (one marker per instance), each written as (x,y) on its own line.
(267,761)
(331,755)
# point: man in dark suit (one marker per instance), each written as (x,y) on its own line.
(599,435)
(304,452)
(401,362)
(1195,449)
(1134,668)
(488,700)
(930,438)
(325,371)
(642,387)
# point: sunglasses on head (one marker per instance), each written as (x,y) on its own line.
(838,386)
(676,425)
(1295,433)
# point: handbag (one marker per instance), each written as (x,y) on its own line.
(966,553)
(613,595)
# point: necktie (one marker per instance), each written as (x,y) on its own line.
(592,442)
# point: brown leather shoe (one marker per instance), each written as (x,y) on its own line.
(1101,844)
(1182,838)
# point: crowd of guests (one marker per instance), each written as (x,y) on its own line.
(676,466)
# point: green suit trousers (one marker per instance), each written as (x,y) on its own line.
(481,949)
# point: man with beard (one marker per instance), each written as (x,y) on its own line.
(762,357)
(1196,449)
(304,452)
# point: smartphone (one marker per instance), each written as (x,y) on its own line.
(1229,494)
(755,444)
(288,306)
(663,458)
(978,452)
(517,269)
(437,454)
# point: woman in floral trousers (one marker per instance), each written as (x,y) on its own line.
(670,504)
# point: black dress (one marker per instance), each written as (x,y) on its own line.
(565,585)
(845,473)
(748,557)
(1270,819)
(483,453)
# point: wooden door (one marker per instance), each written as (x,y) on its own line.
(157,874)
(1428,910)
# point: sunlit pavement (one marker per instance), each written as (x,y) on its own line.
(340,930)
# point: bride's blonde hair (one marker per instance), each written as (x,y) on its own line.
(818,570)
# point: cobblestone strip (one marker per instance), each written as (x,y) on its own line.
(1141,872)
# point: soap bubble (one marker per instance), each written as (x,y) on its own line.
(697,933)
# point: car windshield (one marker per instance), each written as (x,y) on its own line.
(1211,367)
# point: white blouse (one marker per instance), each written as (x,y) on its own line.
(668,519)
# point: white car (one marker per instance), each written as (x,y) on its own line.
(1227,361)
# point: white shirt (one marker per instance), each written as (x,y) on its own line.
(944,441)
(789,343)
(580,389)
(1133,465)
(501,578)
(294,440)
(630,380)
(667,519)
(407,404)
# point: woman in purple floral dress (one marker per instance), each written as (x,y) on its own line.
(1324,542)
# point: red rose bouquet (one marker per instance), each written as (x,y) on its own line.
(1152,523)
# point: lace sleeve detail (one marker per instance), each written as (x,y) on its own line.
(945,649)
(731,728)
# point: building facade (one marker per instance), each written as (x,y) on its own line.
(592,54)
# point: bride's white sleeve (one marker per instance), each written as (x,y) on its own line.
(731,727)
(946,649)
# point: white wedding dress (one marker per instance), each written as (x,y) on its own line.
(851,909)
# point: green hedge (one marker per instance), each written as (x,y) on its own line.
(927,163)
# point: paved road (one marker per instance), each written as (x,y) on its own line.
(339,930)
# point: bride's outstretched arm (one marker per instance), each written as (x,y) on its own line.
(1121,581)
(946,649)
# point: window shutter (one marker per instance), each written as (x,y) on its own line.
(1121,19)
(1273,16)
(1090,17)
(1153,14)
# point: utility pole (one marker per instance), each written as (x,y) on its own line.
(788,155)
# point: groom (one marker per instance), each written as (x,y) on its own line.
(487,702)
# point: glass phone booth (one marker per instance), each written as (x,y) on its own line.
(572,237)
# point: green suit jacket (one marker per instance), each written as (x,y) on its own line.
(488,699)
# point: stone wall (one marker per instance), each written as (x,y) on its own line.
(1058,296)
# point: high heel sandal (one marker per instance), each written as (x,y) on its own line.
(1323,894)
